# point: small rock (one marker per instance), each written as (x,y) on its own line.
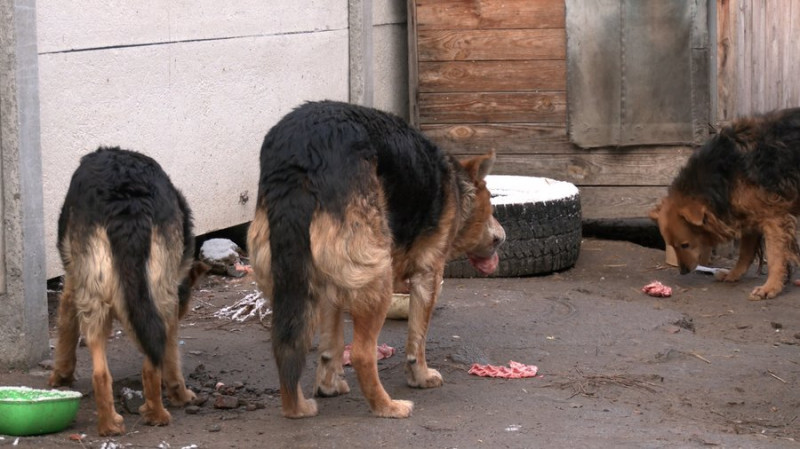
(46,364)
(685,323)
(226,402)
(200,400)
(214,428)
(228,390)
(250,407)
(192,410)
(131,400)
(223,256)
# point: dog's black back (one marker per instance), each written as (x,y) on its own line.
(762,150)
(412,170)
(774,163)
(129,195)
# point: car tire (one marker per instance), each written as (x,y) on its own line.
(542,220)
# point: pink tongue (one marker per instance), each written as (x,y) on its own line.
(485,265)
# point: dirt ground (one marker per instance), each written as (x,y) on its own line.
(703,368)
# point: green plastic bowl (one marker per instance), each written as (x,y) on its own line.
(28,411)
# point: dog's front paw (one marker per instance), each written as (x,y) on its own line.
(396,409)
(764,292)
(725,275)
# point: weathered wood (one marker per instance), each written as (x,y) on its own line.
(486,14)
(413,59)
(759,54)
(598,167)
(493,107)
(757,70)
(478,45)
(506,138)
(726,60)
(793,68)
(619,202)
(492,75)
(488,76)
(744,58)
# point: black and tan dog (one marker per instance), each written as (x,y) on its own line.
(125,239)
(350,200)
(744,182)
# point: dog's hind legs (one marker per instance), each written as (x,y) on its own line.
(172,374)
(68,334)
(779,235)
(297,406)
(330,374)
(109,422)
(424,291)
(153,411)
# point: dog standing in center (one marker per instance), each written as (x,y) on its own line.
(351,200)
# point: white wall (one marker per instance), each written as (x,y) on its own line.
(195,85)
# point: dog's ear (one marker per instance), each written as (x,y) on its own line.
(694,213)
(718,228)
(699,215)
(654,213)
(479,167)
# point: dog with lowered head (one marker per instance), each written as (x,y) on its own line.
(742,183)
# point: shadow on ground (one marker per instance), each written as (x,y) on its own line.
(703,368)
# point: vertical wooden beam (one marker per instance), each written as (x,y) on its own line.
(726,92)
(413,64)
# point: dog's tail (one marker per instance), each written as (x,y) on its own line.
(130,235)
(290,207)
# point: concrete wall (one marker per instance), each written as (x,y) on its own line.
(390,56)
(23,304)
(196,86)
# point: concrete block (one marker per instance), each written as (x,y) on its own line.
(91,24)
(200,108)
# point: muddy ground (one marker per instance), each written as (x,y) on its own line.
(703,368)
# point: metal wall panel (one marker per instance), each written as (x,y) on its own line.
(637,72)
